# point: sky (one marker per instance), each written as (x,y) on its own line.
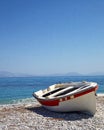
(51,36)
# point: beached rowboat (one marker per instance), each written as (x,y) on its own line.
(67,97)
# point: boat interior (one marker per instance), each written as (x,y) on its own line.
(64,89)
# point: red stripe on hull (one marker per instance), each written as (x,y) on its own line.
(55,102)
(49,102)
(86,92)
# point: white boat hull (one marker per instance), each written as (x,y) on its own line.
(86,103)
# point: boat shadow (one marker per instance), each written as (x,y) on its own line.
(69,116)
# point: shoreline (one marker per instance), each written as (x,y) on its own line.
(100,94)
(32,100)
(26,116)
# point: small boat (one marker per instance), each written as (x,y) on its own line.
(68,97)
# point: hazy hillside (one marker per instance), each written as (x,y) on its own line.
(9,74)
(6,74)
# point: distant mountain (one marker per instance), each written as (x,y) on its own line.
(67,74)
(79,74)
(6,74)
(73,74)
(9,74)
(96,74)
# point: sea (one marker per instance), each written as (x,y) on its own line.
(14,90)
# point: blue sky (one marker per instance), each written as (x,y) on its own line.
(52,36)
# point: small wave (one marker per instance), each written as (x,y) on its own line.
(100,94)
(26,100)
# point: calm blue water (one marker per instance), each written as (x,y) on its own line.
(14,90)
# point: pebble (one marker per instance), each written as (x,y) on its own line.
(34,117)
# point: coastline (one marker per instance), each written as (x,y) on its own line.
(100,94)
(26,116)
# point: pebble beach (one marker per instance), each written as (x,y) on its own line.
(32,116)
